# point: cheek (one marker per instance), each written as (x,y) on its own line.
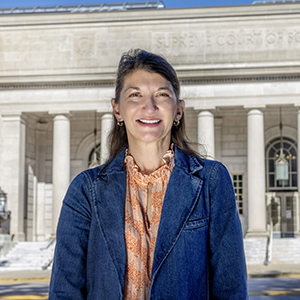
(128,110)
(171,109)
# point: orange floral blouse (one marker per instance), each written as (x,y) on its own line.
(141,226)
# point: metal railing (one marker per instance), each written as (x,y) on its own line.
(46,263)
(50,243)
(269,244)
(83,8)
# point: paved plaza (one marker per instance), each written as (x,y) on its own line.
(264,283)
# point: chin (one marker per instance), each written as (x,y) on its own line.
(153,139)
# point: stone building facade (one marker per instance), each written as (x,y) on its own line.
(237,65)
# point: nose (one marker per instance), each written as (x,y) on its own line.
(150,104)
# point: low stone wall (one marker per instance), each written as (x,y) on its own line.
(6,244)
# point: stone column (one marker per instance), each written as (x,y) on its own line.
(41,145)
(298,169)
(40,150)
(218,138)
(60,164)
(40,212)
(106,125)
(13,170)
(256,175)
(206,133)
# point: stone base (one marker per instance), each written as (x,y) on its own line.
(5,238)
(5,244)
(53,236)
(18,237)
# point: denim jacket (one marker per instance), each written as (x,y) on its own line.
(199,250)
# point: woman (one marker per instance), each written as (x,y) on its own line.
(156,221)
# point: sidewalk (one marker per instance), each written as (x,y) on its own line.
(277,270)
(27,275)
(274,270)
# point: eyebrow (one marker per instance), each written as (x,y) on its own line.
(165,88)
(132,88)
(138,89)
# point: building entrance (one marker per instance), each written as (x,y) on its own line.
(282,197)
(287,213)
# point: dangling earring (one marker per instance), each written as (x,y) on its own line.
(120,123)
(176,122)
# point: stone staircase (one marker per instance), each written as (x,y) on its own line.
(255,250)
(284,251)
(28,256)
(39,255)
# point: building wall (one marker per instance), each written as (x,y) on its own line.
(230,60)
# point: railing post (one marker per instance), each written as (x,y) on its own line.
(269,244)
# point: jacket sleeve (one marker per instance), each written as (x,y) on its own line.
(228,273)
(68,279)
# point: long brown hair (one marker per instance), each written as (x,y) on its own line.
(138,59)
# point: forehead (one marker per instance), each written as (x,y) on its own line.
(142,78)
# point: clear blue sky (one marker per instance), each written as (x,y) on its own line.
(168,3)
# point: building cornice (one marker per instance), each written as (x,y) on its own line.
(239,79)
(161,15)
(33,86)
(197,81)
(82,8)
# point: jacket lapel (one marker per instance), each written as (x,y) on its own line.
(109,209)
(181,196)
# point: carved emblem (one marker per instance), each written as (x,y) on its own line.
(85,46)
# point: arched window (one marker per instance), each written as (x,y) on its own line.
(94,157)
(290,154)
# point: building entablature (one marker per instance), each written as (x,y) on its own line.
(236,41)
(197,96)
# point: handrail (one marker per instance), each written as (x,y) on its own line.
(269,244)
(46,264)
(48,245)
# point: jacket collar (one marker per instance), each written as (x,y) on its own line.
(116,165)
(189,163)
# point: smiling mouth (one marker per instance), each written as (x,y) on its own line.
(149,121)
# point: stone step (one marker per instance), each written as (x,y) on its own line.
(284,251)
(255,250)
(28,256)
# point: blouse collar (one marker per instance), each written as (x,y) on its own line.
(135,171)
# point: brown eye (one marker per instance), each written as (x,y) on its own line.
(134,95)
(163,95)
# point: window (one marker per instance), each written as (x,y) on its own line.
(290,154)
(238,185)
(94,157)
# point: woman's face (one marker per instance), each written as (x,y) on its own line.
(148,107)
